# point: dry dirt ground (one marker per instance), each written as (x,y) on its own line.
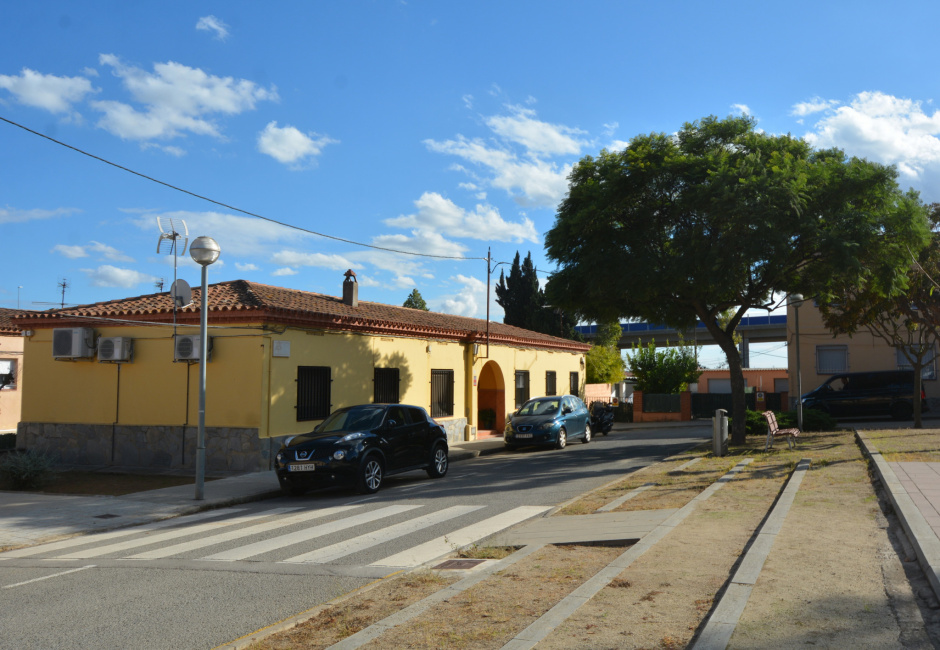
(838,574)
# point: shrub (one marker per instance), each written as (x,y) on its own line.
(487,418)
(813,420)
(26,470)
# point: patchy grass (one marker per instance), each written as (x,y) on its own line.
(475,552)
(907,445)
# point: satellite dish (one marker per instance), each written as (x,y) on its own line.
(182,294)
(171,231)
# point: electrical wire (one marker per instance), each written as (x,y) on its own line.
(231,207)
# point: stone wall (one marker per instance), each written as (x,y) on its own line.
(228,449)
(455,428)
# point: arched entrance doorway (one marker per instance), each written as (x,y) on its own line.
(491,400)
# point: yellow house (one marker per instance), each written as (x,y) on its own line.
(822,355)
(11,362)
(116,383)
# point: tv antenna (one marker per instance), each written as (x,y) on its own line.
(174,238)
(63,285)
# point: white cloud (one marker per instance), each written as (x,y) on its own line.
(46,91)
(438,214)
(112,276)
(284,271)
(518,161)
(97,248)
(815,105)
(236,236)
(12,215)
(294,258)
(176,99)
(741,109)
(884,128)
(536,136)
(245,267)
(288,145)
(213,24)
(404,282)
(470,295)
(421,241)
(71,252)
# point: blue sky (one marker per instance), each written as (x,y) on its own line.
(430,127)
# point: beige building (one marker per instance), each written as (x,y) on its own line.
(11,363)
(116,383)
(822,355)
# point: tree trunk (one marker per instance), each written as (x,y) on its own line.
(918,386)
(738,404)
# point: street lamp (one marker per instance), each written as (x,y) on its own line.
(204,251)
(796,299)
(18,296)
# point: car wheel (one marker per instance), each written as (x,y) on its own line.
(562,439)
(587,434)
(901,411)
(438,466)
(370,475)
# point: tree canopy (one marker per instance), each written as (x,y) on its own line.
(524,303)
(720,216)
(415,301)
(664,371)
(909,321)
(603,362)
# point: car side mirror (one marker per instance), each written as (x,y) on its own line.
(391,424)
(567,409)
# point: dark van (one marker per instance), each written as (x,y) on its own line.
(889,392)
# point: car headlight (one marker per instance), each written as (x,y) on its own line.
(545,426)
(279,459)
(353,436)
(339,454)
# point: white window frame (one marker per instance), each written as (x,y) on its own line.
(12,365)
(832,369)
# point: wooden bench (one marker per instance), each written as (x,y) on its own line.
(773,431)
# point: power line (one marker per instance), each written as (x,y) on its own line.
(231,207)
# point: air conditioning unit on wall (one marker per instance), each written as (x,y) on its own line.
(73,343)
(186,348)
(115,348)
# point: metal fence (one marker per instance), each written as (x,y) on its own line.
(660,403)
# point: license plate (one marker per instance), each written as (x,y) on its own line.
(306,467)
(523,435)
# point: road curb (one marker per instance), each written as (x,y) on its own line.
(919,533)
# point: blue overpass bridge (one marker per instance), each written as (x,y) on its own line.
(754,329)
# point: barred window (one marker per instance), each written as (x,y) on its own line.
(831,359)
(442,393)
(550,383)
(313,392)
(574,384)
(522,387)
(385,386)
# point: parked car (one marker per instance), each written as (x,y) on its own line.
(548,421)
(889,392)
(360,446)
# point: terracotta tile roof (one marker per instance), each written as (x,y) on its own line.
(244,301)
(6,322)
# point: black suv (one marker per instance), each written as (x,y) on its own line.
(360,445)
(889,392)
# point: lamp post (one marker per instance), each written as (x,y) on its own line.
(18,296)
(204,251)
(796,299)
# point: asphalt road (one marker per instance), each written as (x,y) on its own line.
(204,580)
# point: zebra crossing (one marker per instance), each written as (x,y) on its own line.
(293,535)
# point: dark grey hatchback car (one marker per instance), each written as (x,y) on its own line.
(360,446)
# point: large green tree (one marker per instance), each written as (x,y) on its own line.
(664,371)
(524,303)
(720,216)
(604,363)
(415,301)
(909,321)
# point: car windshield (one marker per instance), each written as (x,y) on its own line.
(362,418)
(540,407)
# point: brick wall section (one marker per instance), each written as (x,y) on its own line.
(684,414)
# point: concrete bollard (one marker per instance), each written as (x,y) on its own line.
(720,432)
